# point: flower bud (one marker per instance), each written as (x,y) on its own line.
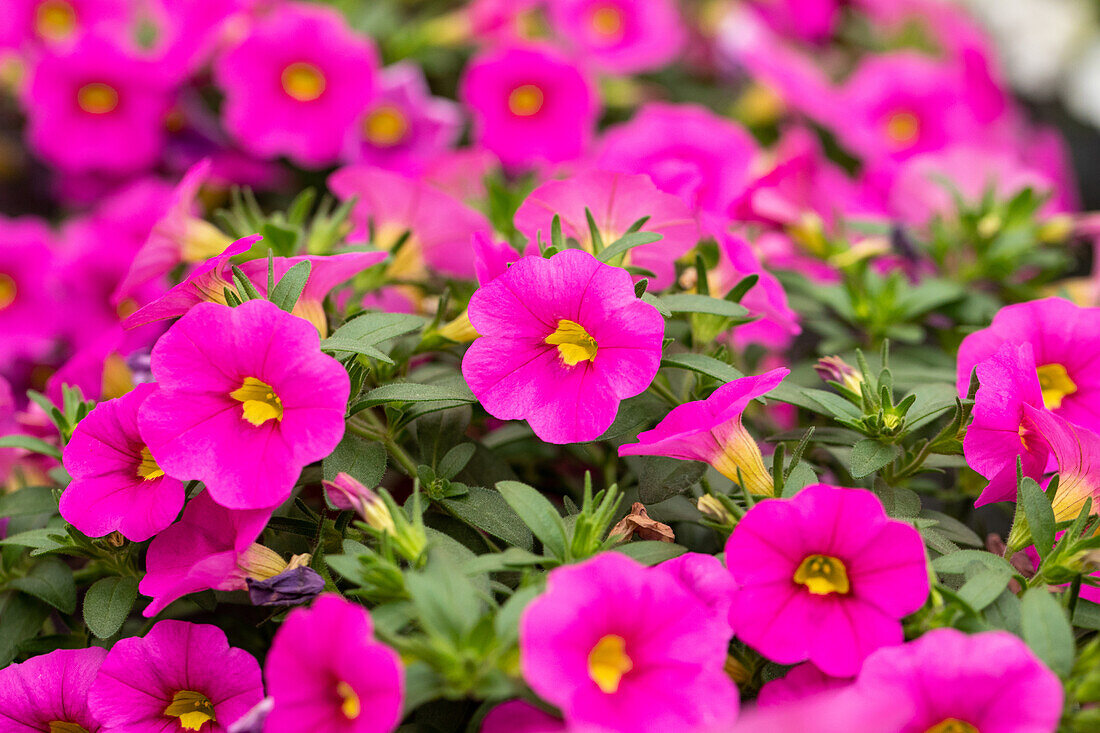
(835,369)
(713,509)
(346,492)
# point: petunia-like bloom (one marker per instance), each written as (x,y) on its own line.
(710,430)
(116,483)
(1077,451)
(97,108)
(777,324)
(56,23)
(179,676)
(29,313)
(405,127)
(616,201)
(805,20)
(839,711)
(296,83)
(802,681)
(831,570)
(530,105)
(621,36)
(563,341)
(328,674)
(1064,338)
(963,683)
(50,692)
(997,436)
(520,716)
(706,578)
(245,399)
(618,646)
(687,151)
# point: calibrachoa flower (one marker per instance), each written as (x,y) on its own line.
(706,578)
(28,305)
(618,646)
(296,83)
(710,430)
(622,36)
(56,22)
(327,673)
(988,682)
(116,483)
(1077,451)
(824,576)
(829,712)
(563,341)
(616,201)
(519,716)
(50,692)
(530,105)
(245,399)
(802,681)
(179,676)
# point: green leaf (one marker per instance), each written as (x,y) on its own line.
(363,460)
(957,563)
(506,622)
(626,243)
(107,604)
(1039,513)
(446,600)
(537,513)
(1087,614)
(833,404)
(40,541)
(409,392)
(455,460)
(663,477)
(290,286)
(983,588)
(21,618)
(692,303)
(34,445)
(649,552)
(870,455)
(374,328)
(1047,630)
(334,344)
(51,581)
(487,510)
(28,500)
(705,365)
(279,237)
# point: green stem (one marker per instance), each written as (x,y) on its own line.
(664,392)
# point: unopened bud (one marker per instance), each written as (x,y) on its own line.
(835,369)
(1056,229)
(713,509)
(989,225)
(345,492)
(460,330)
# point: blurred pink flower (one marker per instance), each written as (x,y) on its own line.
(29,313)
(50,692)
(620,36)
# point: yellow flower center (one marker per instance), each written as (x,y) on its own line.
(193,709)
(54,20)
(607,21)
(60,726)
(1055,384)
(385,126)
(822,575)
(902,128)
(97,98)
(7,291)
(350,706)
(608,662)
(260,401)
(303,82)
(525,100)
(952,725)
(148,468)
(573,342)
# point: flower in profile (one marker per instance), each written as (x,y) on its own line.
(948,681)
(829,568)
(28,305)
(616,201)
(1064,339)
(619,646)
(95,107)
(179,676)
(621,36)
(563,341)
(1077,452)
(328,674)
(245,399)
(710,430)
(296,83)
(116,483)
(520,716)
(530,105)
(50,692)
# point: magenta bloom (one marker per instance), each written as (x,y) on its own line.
(116,483)
(778,322)
(296,84)
(563,341)
(988,682)
(327,673)
(710,430)
(530,105)
(805,20)
(704,577)
(802,681)
(622,36)
(30,23)
(618,646)
(1077,452)
(179,676)
(48,690)
(687,150)
(245,400)
(405,127)
(617,201)
(519,716)
(28,304)
(95,107)
(840,711)
(831,571)
(1065,339)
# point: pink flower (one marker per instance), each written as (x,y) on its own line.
(296,84)
(829,569)
(710,430)
(179,675)
(1064,339)
(519,716)
(840,711)
(687,150)
(704,577)
(95,107)
(405,127)
(327,673)
(778,323)
(563,341)
(618,646)
(29,315)
(1077,452)
(616,201)
(802,681)
(245,400)
(116,483)
(50,690)
(56,22)
(952,681)
(621,36)
(530,105)
(804,20)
